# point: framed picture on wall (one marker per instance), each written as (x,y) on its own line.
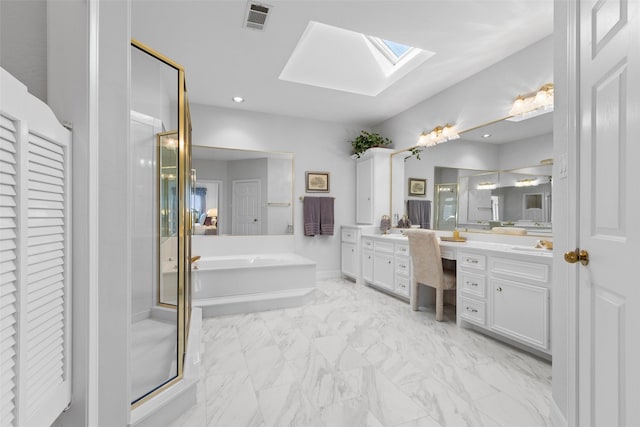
(317,182)
(417,187)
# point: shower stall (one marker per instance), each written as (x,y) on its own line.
(159,167)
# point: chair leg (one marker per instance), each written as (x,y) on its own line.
(439,304)
(414,295)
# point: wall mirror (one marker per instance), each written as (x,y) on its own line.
(241,192)
(484,179)
(519,198)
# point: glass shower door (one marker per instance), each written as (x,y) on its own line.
(160,267)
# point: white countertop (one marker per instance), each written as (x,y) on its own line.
(476,244)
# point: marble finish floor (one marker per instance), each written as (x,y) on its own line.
(357,357)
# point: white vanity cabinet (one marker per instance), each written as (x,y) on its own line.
(402,273)
(350,250)
(367,260)
(373,185)
(386,264)
(507,294)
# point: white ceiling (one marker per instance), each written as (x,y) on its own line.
(222,59)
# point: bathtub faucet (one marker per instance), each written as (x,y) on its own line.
(195,258)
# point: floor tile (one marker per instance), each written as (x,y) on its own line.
(354,356)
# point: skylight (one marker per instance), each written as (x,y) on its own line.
(393,51)
(397,48)
(363,65)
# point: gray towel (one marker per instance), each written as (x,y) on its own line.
(311,215)
(419,212)
(326,216)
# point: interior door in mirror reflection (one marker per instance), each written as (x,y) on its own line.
(245,207)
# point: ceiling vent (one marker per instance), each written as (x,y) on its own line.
(256,16)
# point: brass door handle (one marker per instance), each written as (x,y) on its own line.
(578,255)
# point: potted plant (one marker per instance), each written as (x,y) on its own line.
(414,151)
(367,140)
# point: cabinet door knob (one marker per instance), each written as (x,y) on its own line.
(499,289)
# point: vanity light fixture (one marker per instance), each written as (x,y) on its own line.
(528,182)
(487,186)
(237,99)
(532,104)
(438,135)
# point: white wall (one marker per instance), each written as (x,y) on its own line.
(23,43)
(525,152)
(317,146)
(99,111)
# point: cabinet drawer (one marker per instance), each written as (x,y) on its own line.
(447,253)
(403,265)
(473,284)
(403,286)
(349,236)
(402,249)
(383,246)
(367,244)
(520,269)
(473,311)
(476,261)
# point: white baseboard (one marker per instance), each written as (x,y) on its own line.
(556,417)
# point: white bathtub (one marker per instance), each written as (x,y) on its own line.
(224,285)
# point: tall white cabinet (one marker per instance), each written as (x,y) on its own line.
(373,185)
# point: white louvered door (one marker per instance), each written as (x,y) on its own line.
(35,255)
(8,271)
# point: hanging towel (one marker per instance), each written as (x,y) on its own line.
(311,216)
(326,216)
(420,212)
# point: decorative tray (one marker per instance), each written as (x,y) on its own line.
(452,239)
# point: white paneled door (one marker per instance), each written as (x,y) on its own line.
(245,207)
(609,202)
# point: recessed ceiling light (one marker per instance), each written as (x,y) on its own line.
(486,135)
(238,99)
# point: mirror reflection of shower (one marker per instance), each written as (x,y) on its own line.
(446,206)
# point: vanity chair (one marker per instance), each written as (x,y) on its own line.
(427,268)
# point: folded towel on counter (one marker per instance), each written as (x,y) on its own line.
(509,230)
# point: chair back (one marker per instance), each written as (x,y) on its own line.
(425,256)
